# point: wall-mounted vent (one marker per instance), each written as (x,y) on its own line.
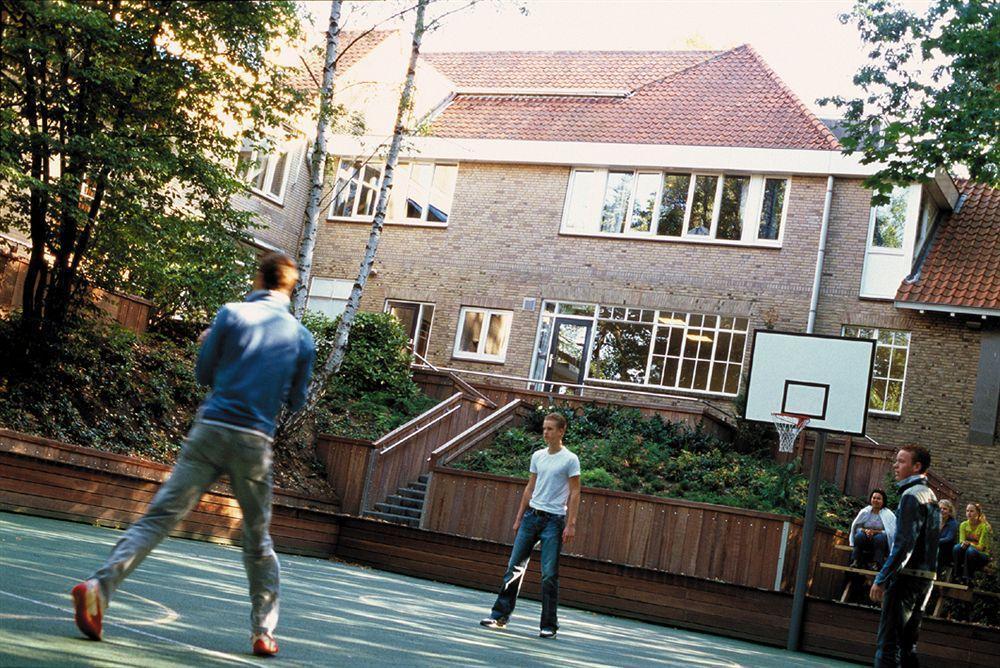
(529,303)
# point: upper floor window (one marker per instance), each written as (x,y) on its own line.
(422,192)
(266,168)
(889,220)
(892,351)
(735,208)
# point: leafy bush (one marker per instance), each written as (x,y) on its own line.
(621,449)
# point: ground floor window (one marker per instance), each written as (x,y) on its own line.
(416,318)
(892,351)
(329,295)
(482,334)
(695,352)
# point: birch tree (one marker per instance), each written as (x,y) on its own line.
(292,422)
(318,161)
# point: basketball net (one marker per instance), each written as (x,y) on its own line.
(788,426)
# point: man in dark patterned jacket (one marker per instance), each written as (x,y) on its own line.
(904,583)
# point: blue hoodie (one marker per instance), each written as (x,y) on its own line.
(256,357)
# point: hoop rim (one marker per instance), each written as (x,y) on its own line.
(801,420)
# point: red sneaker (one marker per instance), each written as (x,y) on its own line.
(264,644)
(89,608)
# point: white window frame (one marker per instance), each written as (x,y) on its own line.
(891,346)
(294,154)
(329,293)
(870,246)
(479,355)
(553,313)
(751,218)
(420,313)
(354,217)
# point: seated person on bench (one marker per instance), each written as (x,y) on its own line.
(973,550)
(872,533)
(948,537)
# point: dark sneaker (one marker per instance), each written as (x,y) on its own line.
(547,633)
(491,623)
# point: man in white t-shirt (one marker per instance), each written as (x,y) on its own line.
(547,514)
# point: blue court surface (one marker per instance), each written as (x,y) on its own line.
(187,605)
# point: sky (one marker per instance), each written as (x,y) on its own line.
(802,40)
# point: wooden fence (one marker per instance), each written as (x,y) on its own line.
(829,629)
(857,466)
(52,479)
(438,384)
(129,311)
(365,472)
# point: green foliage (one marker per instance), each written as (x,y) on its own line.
(930,91)
(374,391)
(141,104)
(105,388)
(621,449)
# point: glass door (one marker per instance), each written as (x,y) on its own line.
(568,353)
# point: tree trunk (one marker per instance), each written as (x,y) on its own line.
(331,365)
(317,163)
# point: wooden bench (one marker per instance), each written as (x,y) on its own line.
(948,589)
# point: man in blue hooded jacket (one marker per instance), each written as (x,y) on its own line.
(256,357)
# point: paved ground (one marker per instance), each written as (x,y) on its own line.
(186,605)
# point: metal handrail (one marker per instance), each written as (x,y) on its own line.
(423,427)
(388,437)
(498,418)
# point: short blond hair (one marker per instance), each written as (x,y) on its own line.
(278,272)
(559,419)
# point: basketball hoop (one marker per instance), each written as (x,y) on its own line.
(788,425)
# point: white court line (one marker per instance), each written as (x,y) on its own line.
(210,652)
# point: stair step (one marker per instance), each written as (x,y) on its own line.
(411,493)
(422,486)
(409,502)
(402,511)
(395,519)
(424,478)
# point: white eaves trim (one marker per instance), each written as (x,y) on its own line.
(655,156)
(944,308)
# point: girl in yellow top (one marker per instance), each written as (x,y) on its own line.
(973,549)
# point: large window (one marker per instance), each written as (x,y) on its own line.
(665,205)
(329,295)
(482,334)
(416,318)
(422,192)
(665,349)
(889,220)
(892,350)
(267,168)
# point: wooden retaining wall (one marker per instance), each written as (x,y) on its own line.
(830,629)
(44,477)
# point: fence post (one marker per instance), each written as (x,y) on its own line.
(780,570)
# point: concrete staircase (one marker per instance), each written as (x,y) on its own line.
(405,506)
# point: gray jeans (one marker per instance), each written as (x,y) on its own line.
(209,452)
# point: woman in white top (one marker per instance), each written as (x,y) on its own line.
(872,533)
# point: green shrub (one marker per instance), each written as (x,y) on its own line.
(621,449)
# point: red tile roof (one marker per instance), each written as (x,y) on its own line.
(729,99)
(349,52)
(562,69)
(962,268)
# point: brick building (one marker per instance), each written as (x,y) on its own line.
(626,220)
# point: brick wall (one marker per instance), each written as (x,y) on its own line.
(280,224)
(503,244)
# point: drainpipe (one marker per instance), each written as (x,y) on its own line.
(820,255)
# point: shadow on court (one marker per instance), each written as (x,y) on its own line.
(187,605)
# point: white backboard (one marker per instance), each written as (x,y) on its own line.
(827,378)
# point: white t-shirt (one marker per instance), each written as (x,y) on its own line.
(552,479)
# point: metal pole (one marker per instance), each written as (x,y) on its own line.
(805,551)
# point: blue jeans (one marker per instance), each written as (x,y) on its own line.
(968,560)
(209,452)
(536,527)
(899,626)
(869,548)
